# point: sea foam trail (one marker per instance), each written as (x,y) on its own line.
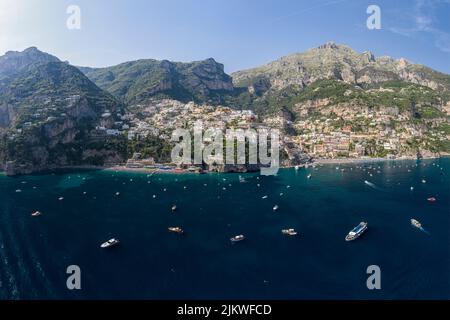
(373,186)
(423,230)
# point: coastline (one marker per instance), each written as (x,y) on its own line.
(363,160)
(315,162)
(123,168)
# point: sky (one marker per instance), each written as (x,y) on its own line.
(238,33)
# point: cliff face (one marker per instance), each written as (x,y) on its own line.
(49,112)
(339,62)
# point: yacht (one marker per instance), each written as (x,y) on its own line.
(289,232)
(356,231)
(416,223)
(110,243)
(176,230)
(237,238)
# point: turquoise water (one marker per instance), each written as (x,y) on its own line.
(151,263)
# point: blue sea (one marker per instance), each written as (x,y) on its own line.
(151,263)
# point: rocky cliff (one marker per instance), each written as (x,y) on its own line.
(137,81)
(339,62)
(49,112)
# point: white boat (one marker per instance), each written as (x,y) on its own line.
(275,207)
(264,197)
(309,176)
(36,214)
(356,232)
(174,208)
(237,238)
(416,223)
(297,167)
(176,230)
(289,232)
(109,243)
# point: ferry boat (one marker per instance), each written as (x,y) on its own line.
(416,223)
(289,232)
(356,231)
(237,238)
(176,230)
(110,243)
(36,214)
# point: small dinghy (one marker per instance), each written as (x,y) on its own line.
(289,232)
(237,238)
(36,214)
(176,230)
(110,243)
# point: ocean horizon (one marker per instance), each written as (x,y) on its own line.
(82,209)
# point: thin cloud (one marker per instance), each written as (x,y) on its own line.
(423,23)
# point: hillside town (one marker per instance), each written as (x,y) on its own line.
(340,133)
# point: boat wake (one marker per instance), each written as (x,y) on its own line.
(373,186)
(424,231)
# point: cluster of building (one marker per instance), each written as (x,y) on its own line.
(161,117)
(338,132)
(356,135)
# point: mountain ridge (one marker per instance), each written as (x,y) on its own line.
(48,114)
(330,101)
